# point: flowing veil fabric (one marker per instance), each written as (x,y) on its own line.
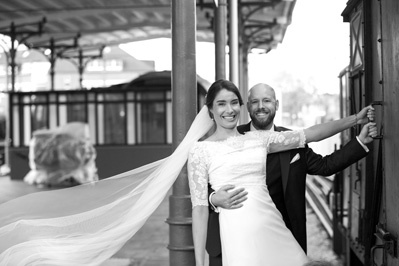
(87,224)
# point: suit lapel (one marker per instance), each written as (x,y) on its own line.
(244,128)
(285,168)
(284,164)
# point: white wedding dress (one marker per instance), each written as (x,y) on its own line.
(254,234)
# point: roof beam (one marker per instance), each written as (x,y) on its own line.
(58,14)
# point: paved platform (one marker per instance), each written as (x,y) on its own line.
(149,246)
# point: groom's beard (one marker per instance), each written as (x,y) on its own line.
(262,123)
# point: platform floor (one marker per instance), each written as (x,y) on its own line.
(149,246)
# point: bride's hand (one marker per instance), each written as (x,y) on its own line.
(365,115)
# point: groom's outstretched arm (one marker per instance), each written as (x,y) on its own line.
(340,159)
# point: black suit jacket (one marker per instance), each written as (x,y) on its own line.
(287,183)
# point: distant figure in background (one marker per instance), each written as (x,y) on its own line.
(63,156)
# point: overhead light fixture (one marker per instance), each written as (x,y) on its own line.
(107,50)
(25,54)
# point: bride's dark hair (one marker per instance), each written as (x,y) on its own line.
(219,85)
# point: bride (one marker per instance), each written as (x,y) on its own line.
(254,234)
(87,224)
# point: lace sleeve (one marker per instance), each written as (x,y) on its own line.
(198,176)
(285,140)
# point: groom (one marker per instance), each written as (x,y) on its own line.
(286,173)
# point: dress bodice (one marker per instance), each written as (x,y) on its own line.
(239,160)
(236,161)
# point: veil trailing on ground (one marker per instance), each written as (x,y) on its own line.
(87,224)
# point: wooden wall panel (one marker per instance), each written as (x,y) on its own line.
(390,45)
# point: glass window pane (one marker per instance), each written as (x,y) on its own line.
(114,123)
(114,97)
(153,124)
(154,95)
(76,108)
(39,115)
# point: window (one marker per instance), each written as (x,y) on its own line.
(113,65)
(114,118)
(101,65)
(76,109)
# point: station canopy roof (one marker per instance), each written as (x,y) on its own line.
(95,23)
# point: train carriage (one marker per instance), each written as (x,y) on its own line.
(365,212)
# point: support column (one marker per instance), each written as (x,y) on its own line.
(24,34)
(220,39)
(52,58)
(80,60)
(233,42)
(13,54)
(56,51)
(184,99)
(243,86)
(7,61)
(81,68)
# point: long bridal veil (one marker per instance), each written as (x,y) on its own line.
(87,224)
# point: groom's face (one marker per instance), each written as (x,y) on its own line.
(262,106)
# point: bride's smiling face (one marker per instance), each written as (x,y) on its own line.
(226,109)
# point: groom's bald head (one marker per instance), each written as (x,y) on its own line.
(262,105)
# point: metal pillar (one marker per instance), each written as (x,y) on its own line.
(21,34)
(13,54)
(233,42)
(57,51)
(3,45)
(243,81)
(52,58)
(7,138)
(81,60)
(220,39)
(81,68)
(184,99)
